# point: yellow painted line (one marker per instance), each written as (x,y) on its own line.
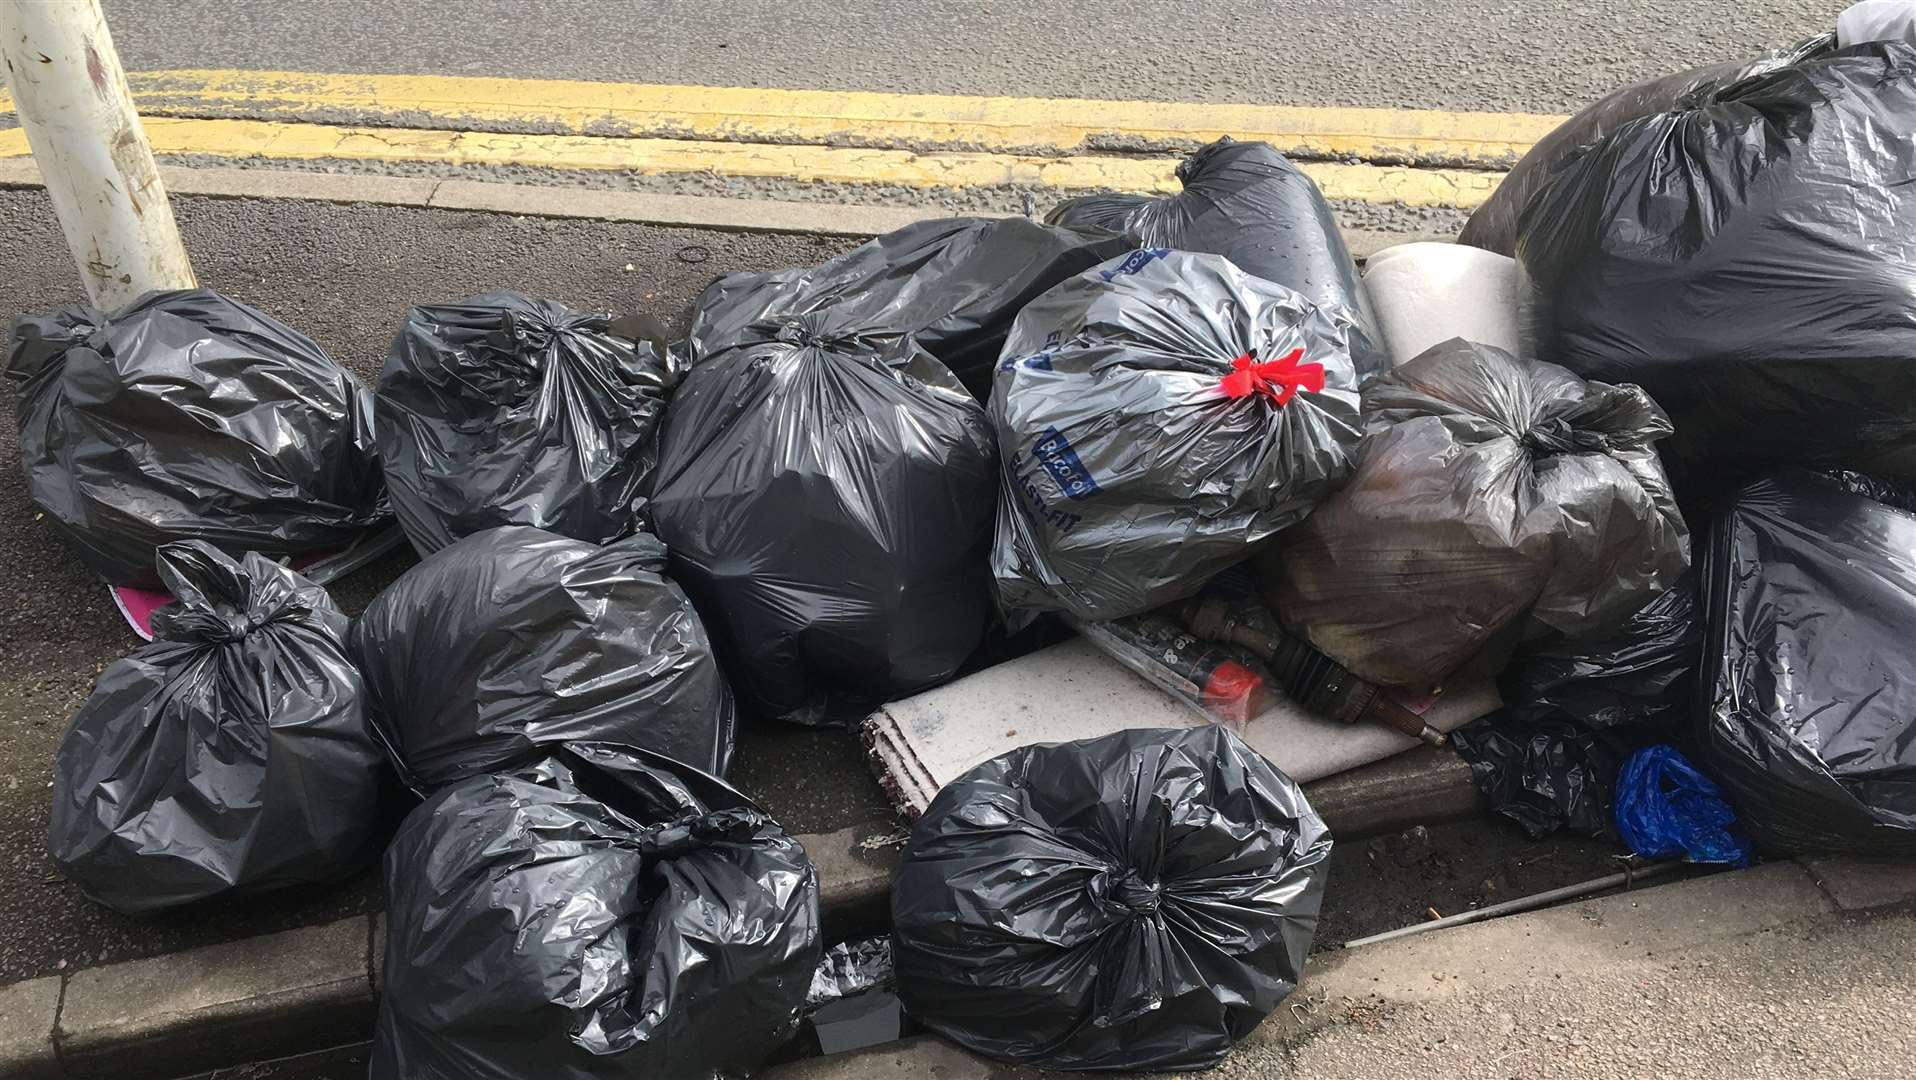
(1045,126)
(259,139)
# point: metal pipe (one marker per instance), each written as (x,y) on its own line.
(1527,903)
(71,97)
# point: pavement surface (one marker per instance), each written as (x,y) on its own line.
(1350,213)
(1487,55)
(1825,998)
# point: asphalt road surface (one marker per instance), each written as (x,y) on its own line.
(1488,55)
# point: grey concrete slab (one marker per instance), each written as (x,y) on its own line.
(1857,884)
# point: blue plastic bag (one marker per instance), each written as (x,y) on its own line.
(1667,808)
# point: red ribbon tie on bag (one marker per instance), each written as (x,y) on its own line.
(1280,379)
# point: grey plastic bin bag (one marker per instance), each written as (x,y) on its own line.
(1158,417)
(509,410)
(603,913)
(189,416)
(492,650)
(230,754)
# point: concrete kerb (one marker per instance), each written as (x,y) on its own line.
(531,200)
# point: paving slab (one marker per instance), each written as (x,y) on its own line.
(1856,884)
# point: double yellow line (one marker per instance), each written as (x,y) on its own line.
(1417,157)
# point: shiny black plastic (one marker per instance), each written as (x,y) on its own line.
(491,650)
(1495,499)
(1493,225)
(1644,674)
(1808,702)
(851,968)
(826,490)
(1138,901)
(1547,772)
(953,284)
(1574,709)
(1131,472)
(1751,263)
(189,416)
(231,753)
(1248,203)
(509,410)
(603,913)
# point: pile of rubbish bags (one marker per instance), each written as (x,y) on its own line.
(1737,240)
(1642,450)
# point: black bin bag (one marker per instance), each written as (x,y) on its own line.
(1644,675)
(953,284)
(1157,418)
(509,410)
(1808,697)
(189,416)
(513,639)
(1493,226)
(1248,203)
(1496,499)
(1138,901)
(1751,263)
(605,912)
(826,490)
(1574,710)
(230,754)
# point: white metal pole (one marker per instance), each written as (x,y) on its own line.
(73,101)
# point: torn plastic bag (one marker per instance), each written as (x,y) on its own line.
(1644,674)
(605,912)
(189,416)
(1547,773)
(1493,226)
(826,491)
(511,640)
(508,410)
(1248,203)
(1157,418)
(1494,499)
(851,968)
(1751,263)
(1138,901)
(1809,698)
(952,284)
(1666,809)
(230,754)
(853,1001)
